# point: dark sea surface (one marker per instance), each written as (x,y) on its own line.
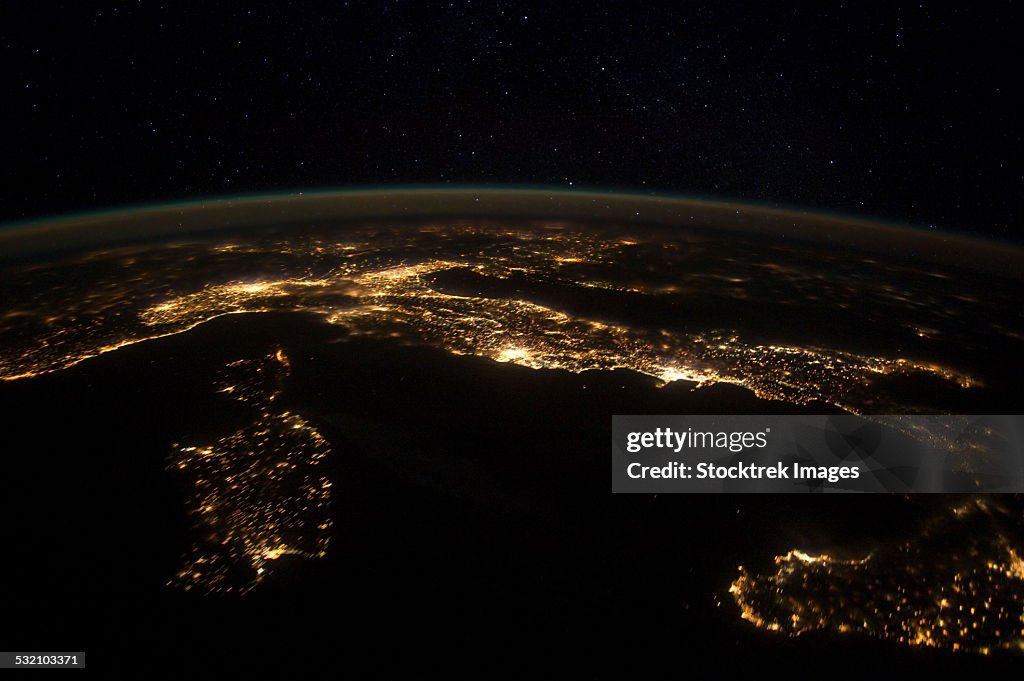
(471,511)
(463,375)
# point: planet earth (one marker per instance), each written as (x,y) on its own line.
(305,430)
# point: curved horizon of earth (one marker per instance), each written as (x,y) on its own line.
(804,312)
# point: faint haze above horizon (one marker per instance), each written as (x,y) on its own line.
(501,207)
(900,113)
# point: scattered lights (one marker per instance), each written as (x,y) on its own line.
(380,286)
(272,554)
(1015,564)
(921,594)
(259,493)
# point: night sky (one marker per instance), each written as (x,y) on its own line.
(901,111)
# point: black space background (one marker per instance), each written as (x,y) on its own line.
(902,111)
